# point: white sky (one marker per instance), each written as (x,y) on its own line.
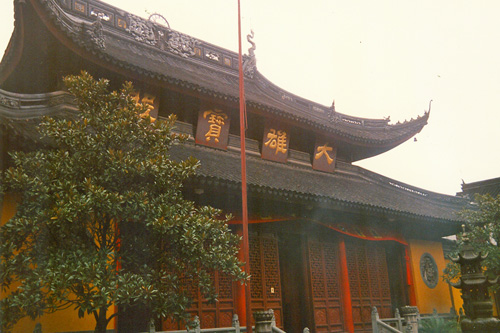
(376,59)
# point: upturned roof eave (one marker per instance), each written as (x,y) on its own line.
(391,135)
(16,110)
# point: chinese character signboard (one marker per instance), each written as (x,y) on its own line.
(324,156)
(275,142)
(149,99)
(213,128)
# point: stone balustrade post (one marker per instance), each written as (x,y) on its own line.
(196,324)
(273,321)
(374,319)
(410,314)
(236,323)
(399,323)
(263,321)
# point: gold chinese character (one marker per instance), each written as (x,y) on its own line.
(149,99)
(323,150)
(277,140)
(135,96)
(216,119)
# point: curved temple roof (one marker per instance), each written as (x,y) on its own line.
(350,186)
(125,41)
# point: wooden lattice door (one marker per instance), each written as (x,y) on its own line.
(368,281)
(324,274)
(265,286)
(218,314)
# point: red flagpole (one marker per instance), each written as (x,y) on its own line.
(244,207)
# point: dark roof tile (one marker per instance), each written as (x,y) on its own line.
(364,188)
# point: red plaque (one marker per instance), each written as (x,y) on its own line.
(324,157)
(213,128)
(275,142)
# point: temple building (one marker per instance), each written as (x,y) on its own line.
(482,187)
(328,239)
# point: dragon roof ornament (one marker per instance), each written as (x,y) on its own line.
(250,61)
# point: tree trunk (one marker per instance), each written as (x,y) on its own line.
(101,321)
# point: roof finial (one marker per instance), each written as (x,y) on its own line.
(250,62)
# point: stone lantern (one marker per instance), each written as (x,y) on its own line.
(474,284)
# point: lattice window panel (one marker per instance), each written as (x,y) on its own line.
(255,268)
(325,286)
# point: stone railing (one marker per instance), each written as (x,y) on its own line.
(265,322)
(409,322)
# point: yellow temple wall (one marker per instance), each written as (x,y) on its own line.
(427,299)
(61,321)
(8,204)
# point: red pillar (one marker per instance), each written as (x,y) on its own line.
(346,289)
(409,278)
(240,306)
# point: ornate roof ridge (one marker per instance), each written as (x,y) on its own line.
(127,25)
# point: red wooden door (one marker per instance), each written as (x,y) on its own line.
(218,314)
(368,281)
(265,285)
(324,275)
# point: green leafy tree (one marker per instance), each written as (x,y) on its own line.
(102,220)
(483,231)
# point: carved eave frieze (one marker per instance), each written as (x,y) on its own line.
(141,30)
(181,44)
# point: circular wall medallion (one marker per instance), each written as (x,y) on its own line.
(429,270)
